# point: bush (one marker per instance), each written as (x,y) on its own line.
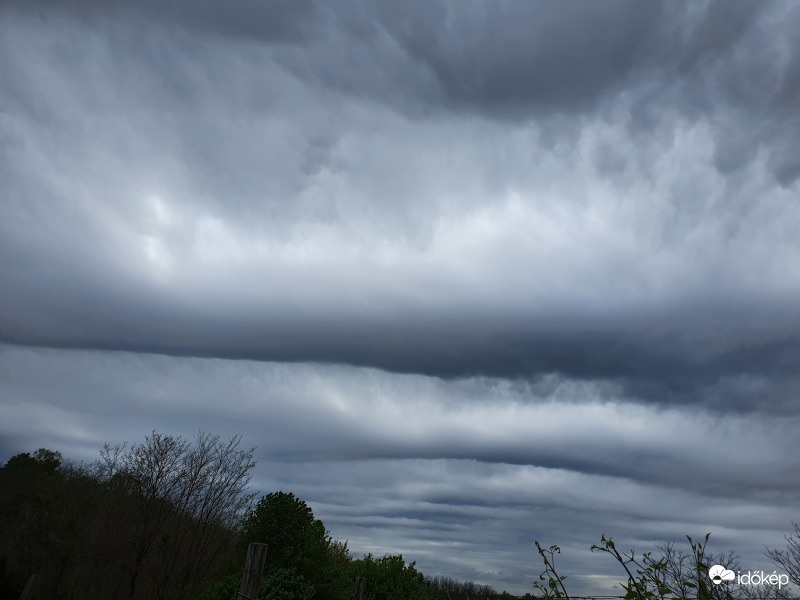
(389,578)
(286,584)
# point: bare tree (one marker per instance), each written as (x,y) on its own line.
(188,498)
(675,573)
(684,573)
(789,558)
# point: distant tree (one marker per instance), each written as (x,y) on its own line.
(43,460)
(448,585)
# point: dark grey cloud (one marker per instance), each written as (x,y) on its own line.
(525,55)
(271,20)
(660,367)
(514,56)
(716,31)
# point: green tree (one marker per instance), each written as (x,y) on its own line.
(286,584)
(390,578)
(42,461)
(299,546)
(295,539)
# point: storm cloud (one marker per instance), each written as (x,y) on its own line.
(461,243)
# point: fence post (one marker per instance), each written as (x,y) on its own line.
(358,593)
(253,568)
(28,591)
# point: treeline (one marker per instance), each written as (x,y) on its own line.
(460,588)
(452,589)
(169,519)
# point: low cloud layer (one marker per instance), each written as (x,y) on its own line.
(461,476)
(536,239)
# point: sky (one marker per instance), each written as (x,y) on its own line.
(466,274)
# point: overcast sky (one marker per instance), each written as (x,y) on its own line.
(467,274)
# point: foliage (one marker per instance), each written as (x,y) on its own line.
(647,576)
(298,543)
(225,588)
(43,461)
(686,572)
(451,587)
(553,588)
(334,579)
(389,578)
(156,520)
(648,581)
(295,539)
(286,584)
(673,573)
(303,561)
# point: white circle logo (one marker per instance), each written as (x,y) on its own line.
(718,574)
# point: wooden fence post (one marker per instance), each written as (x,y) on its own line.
(358,593)
(253,568)
(28,591)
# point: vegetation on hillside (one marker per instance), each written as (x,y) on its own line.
(169,519)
